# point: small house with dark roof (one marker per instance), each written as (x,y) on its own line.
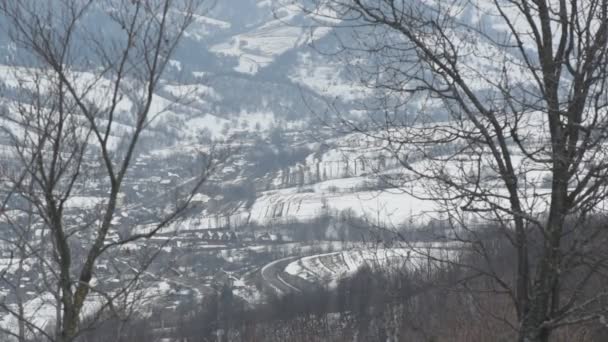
(206,235)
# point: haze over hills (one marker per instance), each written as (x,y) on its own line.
(306,189)
(243,80)
(250,77)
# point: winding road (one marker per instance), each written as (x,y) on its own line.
(271,275)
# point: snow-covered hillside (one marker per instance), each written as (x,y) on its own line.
(329,268)
(247,79)
(259,46)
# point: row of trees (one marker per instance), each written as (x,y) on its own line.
(82,98)
(422,303)
(520,86)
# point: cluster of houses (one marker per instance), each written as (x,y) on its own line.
(231,236)
(218,235)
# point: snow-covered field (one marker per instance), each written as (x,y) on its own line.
(257,48)
(387,208)
(326,79)
(41,311)
(327,269)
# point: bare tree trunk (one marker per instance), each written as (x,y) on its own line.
(524,93)
(68,119)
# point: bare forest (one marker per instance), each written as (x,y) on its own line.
(303,170)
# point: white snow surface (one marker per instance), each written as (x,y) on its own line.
(259,47)
(327,269)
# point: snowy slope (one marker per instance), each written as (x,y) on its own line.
(258,47)
(327,269)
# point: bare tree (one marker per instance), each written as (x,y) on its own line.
(82,97)
(486,102)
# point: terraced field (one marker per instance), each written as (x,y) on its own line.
(327,269)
